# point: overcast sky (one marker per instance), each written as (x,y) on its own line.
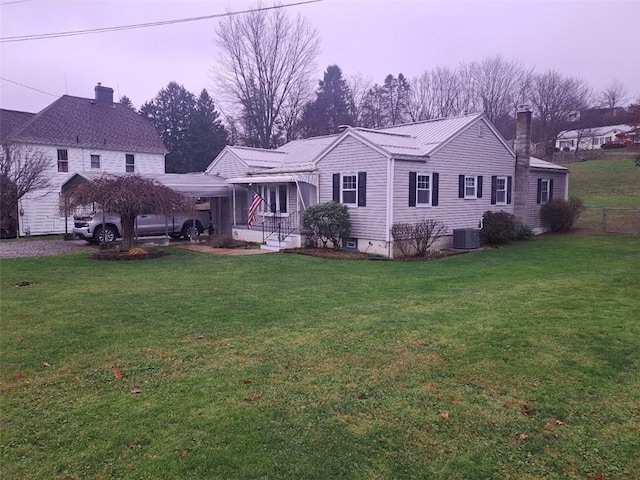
(594,40)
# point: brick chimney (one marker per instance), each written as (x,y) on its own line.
(104,95)
(523,155)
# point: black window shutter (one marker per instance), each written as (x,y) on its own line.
(551,189)
(539,195)
(494,185)
(362,189)
(435,188)
(460,186)
(509,187)
(336,187)
(479,189)
(413,178)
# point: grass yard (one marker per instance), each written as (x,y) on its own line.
(606,183)
(521,362)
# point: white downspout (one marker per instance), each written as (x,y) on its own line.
(389,216)
(233,187)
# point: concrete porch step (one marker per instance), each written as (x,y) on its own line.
(272,244)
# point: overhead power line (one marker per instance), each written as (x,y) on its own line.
(14,1)
(44,36)
(27,86)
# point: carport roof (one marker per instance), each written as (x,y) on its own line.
(191,184)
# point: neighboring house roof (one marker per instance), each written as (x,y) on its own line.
(81,122)
(11,121)
(544,165)
(594,132)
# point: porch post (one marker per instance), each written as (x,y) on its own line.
(234,205)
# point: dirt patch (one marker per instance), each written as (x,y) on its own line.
(126,256)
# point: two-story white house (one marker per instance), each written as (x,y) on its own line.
(79,135)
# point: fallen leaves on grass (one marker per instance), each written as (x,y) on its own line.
(147,352)
(46,364)
(596,476)
(184,454)
(18,376)
(253,398)
(117,373)
(135,391)
(444,415)
(248,381)
(523,436)
(453,401)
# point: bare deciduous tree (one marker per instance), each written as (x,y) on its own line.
(358,87)
(614,95)
(128,196)
(23,170)
(554,99)
(266,60)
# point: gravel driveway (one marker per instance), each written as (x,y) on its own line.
(40,248)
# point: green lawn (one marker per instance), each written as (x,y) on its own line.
(606,183)
(521,362)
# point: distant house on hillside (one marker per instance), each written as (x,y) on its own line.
(79,135)
(451,169)
(591,138)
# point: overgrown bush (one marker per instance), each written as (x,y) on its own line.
(328,222)
(417,238)
(498,227)
(559,215)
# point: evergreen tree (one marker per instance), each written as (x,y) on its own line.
(332,107)
(126,101)
(189,128)
(208,135)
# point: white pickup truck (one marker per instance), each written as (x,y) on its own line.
(95,229)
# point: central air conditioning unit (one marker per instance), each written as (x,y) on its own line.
(466,238)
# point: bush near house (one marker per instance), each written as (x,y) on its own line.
(328,223)
(417,239)
(559,215)
(502,227)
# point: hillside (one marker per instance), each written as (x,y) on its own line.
(606,183)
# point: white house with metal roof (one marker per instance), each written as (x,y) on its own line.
(452,170)
(590,138)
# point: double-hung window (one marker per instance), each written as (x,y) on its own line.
(130,163)
(501,190)
(95,161)
(423,190)
(544,188)
(349,189)
(63,160)
(470,186)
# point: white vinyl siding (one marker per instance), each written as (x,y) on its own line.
(559,191)
(349,157)
(42,208)
(467,154)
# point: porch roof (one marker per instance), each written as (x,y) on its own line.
(268,179)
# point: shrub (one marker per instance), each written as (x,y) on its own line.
(417,238)
(637,160)
(328,222)
(498,227)
(221,241)
(566,149)
(523,232)
(559,215)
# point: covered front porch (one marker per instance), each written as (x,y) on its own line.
(277,222)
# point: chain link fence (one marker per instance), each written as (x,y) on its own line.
(610,220)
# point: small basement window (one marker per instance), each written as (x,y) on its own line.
(351,243)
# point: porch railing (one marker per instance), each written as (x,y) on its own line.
(280,226)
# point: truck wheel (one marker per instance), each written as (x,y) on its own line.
(190,231)
(106,235)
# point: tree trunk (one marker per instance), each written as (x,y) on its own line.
(128,225)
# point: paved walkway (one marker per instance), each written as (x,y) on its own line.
(221,251)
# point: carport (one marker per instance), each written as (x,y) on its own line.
(195,185)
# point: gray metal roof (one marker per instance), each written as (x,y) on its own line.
(431,134)
(306,151)
(258,157)
(393,143)
(543,164)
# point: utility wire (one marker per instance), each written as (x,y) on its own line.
(14,1)
(27,86)
(43,36)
